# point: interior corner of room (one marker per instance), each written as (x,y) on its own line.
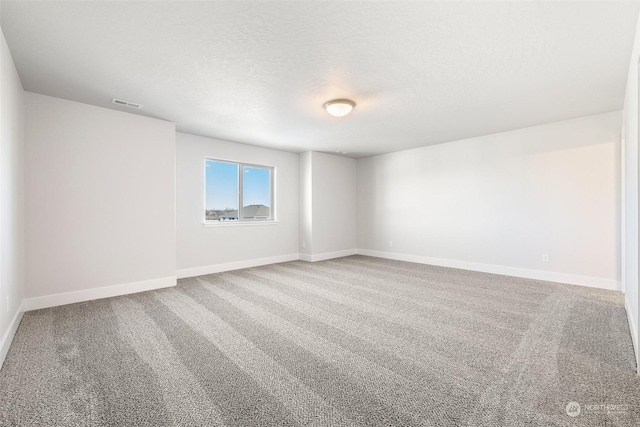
(97,202)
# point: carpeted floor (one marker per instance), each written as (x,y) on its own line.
(352,341)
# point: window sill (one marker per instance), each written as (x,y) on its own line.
(214,224)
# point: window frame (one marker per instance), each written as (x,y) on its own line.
(240,179)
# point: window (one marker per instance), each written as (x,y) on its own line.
(238,192)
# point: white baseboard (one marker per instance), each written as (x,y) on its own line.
(633,328)
(571,279)
(11,332)
(97,293)
(237,265)
(305,257)
(327,255)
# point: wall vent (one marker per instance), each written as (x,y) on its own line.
(126,103)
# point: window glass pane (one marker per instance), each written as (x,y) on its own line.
(256,192)
(222,191)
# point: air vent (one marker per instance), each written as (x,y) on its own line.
(126,103)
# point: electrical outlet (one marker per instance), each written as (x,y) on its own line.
(7,304)
(545,257)
(304,245)
(390,243)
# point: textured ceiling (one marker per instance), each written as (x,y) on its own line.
(259,72)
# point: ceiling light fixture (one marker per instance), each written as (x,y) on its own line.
(339,107)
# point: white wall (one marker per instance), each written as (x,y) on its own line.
(630,183)
(11,198)
(204,250)
(333,193)
(99,202)
(497,203)
(306,205)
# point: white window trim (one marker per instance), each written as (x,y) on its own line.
(245,223)
(273,220)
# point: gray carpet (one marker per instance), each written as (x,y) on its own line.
(353,341)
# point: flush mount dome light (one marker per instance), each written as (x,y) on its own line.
(339,107)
